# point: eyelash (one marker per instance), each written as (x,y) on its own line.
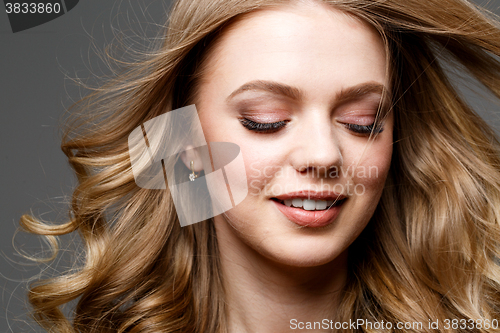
(274,127)
(364,129)
(263,127)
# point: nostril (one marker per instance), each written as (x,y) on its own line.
(306,168)
(303,169)
(320,171)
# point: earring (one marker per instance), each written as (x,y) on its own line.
(192,175)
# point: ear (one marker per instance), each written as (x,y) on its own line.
(192,154)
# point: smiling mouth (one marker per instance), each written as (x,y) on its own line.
(309,204)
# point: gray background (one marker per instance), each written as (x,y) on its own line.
(34,93)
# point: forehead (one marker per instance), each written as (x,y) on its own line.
(296,43)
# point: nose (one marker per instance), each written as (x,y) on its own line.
(316,148)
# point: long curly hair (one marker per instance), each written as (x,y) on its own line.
(430,252)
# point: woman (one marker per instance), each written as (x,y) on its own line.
(373,188)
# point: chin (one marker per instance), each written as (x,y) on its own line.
(305,252)
(291,247)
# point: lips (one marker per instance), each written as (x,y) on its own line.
(309,204)
(310,209)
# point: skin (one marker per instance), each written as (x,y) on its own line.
(274,269)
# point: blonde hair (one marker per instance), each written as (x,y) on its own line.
(430,252)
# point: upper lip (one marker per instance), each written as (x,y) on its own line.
(312,195)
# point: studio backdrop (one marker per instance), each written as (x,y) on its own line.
(49,51)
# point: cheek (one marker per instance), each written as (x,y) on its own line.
(211,126)
(372,170)
(260,169)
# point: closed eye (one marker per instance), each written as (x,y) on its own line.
(263,127)
(365,129)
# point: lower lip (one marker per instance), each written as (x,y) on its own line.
(310,218)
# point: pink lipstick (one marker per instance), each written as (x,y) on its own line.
(310,209)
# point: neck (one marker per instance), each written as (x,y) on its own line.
(263,295)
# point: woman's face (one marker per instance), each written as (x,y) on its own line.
(298,88)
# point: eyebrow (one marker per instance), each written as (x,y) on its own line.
(353,93)
(272,87)
(359,91)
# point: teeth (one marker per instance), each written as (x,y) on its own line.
(308,204)
(320,205)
